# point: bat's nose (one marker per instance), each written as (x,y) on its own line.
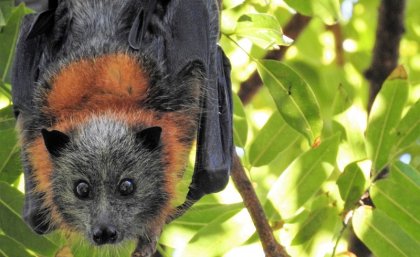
(103,234)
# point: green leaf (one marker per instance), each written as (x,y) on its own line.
(11,248)
(399,197)
(354,146)
(408,130)
(384,117)
(352,184)
(316,220)
(8,38)
(2,19)
(228,4)
(302,6)
(205,213)
(240,124)
(275,137)
(294,98)
(14,227)
(262,29)
(327,10)
(304,178)
(7,119)
(182,230)
(9,151)
(222,234)
(5,11)
(312,231)
(11,197)
(11,170)
(382,235)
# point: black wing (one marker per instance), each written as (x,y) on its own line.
(24,74)
(215,141)
(195,31)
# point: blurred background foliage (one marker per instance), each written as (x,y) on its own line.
(306,139)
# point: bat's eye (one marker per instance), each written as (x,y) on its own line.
(82,190)
(126,187)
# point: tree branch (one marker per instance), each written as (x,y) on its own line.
(387,44)
(244,186)
(253,84)
(338,42)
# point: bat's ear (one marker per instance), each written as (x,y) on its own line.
(43,23)
(52,4)
(55,141)
(149,138)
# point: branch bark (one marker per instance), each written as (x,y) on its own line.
(387,44)
(292,29)
(271,247)
(338,43)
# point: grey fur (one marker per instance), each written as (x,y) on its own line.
(103,152)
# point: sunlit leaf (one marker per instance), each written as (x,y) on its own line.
(327,10)
(294,98)
(353,148)
(274,137)
(14,227)
(382,235)
(384,117)
(11,197)
(2,19)
(399,197)
(302,6)
(5,11)
(314,233)
(227,4)
(183,229)
(11,248)
(8,38)
(9,150)
(315,221)
(208,242)
(408,130)
(304,178)
(205,213)
(262,29)
(352,183)
(240,124)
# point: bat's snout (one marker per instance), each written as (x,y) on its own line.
(105,234)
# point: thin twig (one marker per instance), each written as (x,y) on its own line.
(338,42)
(292,29)
(271,247)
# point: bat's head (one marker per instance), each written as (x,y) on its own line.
(108,179)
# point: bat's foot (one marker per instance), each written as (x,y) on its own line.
(145,247)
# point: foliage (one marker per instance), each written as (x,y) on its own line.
(311,148)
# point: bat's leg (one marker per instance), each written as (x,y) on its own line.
(146,247)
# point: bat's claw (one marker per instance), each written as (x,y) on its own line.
(145,248)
